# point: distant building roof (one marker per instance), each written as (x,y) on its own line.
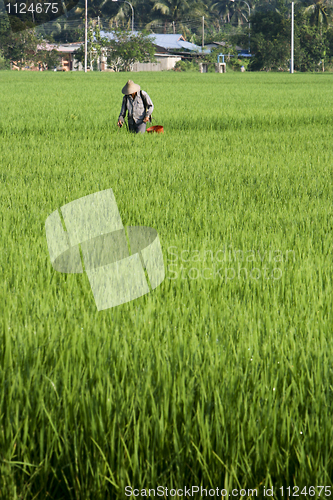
(166,42)
(222,44)
(215,44)
(175,42)
(64,47)
(110,35)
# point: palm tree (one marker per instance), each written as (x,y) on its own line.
(121,18)
(95,8)
(240,14)
(319,16)
(224,9)
(318,13)
(175,11)
(231,11)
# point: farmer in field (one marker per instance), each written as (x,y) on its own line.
(139,107)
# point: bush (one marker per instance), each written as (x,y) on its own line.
(4,64)
(186,66)
(236,64)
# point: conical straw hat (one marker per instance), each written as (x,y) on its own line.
(130,88)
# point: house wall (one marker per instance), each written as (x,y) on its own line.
(162,64)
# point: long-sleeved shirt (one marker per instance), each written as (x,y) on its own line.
(136,108)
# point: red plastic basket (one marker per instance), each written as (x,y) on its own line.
(156,128)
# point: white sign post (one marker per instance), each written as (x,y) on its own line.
(292,39)
(85,35)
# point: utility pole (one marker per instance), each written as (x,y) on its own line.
(203,32)
(85,36)
(292,39)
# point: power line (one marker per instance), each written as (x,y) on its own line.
(63,24)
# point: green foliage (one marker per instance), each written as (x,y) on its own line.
(4,24)
(20,47)
(227,21)
(235,64)
(4,64)
(96,45)
(318,12)
(127,48)
(310,48)
(224,10)
(228,50)
(329,43)
(206,380)
(175,12)
(186,66)
(50,58)
(270,41)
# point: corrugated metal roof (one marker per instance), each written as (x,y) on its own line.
(169,42)
(176,41)
(110,35)
(67,47)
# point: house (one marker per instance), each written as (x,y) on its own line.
(164,62)
(224,48)
(68,61)
(169,50)
(66,52)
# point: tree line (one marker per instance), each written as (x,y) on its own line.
(265,25)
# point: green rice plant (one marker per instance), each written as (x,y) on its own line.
(220,377)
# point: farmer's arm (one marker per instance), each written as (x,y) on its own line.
(150,106)
(122,112)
